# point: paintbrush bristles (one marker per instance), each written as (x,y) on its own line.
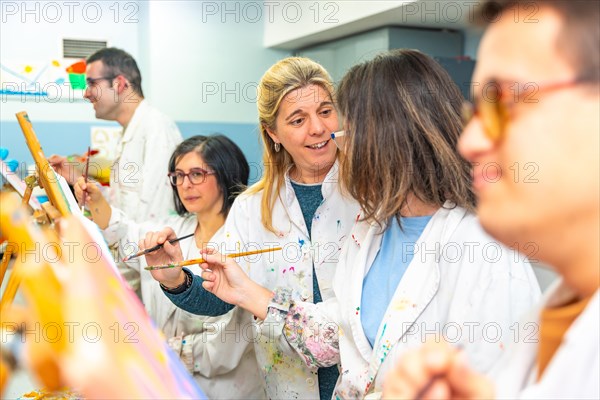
(201,260)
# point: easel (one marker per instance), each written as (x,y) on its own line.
(11,289)
(47,179)
(77,289)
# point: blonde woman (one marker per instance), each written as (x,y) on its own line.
(297,205)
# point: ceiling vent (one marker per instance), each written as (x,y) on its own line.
(75,48)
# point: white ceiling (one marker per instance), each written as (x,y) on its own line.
(427,14)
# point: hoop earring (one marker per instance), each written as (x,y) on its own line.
(277,147)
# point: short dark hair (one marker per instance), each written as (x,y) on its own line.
(402,117)
(579,40)
(119,62)
(221,155)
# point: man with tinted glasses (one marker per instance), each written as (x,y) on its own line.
(139,186)
(544,191)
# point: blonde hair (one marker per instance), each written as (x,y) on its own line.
(282,78)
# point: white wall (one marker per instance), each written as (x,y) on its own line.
(196,66)
(200,60)
(204,63)
(296,23)
(289,23)
(33,31)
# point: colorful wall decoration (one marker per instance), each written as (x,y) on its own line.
(60,79)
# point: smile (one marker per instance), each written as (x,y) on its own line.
(318,145)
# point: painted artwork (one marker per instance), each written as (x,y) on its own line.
(123,355)
(59,78)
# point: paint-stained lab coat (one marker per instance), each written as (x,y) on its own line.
(461,285)
(138,179)
(223,365)
(285,374)
(573,371)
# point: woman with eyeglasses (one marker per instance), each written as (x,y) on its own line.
(418,266)
(298,205)
(206,174)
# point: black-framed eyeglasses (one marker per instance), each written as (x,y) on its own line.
(92,81)
(196,176)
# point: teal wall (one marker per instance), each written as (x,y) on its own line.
(340,55)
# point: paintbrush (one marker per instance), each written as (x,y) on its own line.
(201,260)
(335,135)
(85,177)
(158,246)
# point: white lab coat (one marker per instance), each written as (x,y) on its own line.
(223,368)
(461,285)
(573,371)
(138,180)
(286,375)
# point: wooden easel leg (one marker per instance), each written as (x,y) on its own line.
(11,287)
(4,265)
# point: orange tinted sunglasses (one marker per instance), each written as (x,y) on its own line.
(493,107)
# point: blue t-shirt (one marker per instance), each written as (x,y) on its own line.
(390,264)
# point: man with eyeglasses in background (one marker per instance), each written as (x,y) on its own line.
(138,183)
(540,129)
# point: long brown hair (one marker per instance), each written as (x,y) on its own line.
(402,122)
(282,78)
